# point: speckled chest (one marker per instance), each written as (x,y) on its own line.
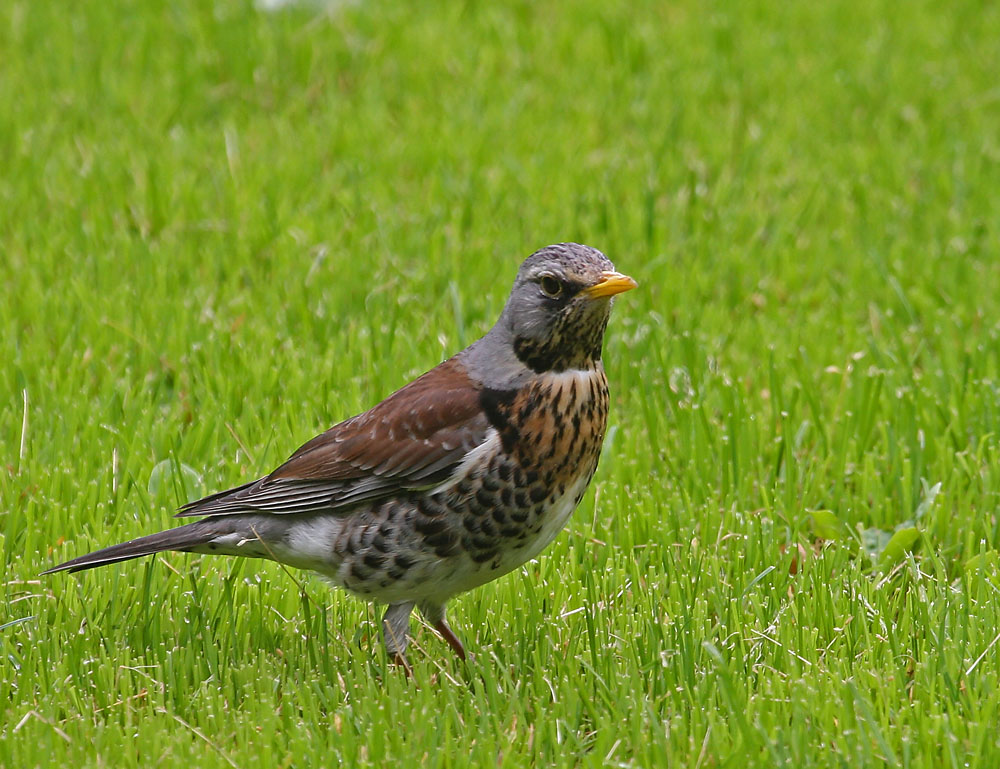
(546,447)
(553,427)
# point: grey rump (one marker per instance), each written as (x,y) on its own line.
(457,478)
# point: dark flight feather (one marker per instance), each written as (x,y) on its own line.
(412,440)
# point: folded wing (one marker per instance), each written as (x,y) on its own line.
(413,439)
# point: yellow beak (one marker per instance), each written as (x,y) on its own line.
(611,283)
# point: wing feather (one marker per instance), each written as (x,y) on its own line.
(411,440)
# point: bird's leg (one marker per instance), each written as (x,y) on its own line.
(435,615)
(451,638)
(396,632)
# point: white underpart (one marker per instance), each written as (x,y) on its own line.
(302,542)
(230,544)
(310,544)
(558,514)
(472,460)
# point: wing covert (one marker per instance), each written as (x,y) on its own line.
(411,440)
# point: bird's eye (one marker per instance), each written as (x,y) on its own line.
(551,287)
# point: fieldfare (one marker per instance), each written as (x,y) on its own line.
(461,476)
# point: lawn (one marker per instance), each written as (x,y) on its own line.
(224,228)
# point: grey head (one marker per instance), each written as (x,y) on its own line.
(555,317)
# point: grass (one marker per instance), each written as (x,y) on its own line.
(223,229)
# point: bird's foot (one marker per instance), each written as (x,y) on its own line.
(399,660)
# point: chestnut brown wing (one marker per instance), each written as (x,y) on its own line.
(413,439)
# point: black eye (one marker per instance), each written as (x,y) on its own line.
(551,287)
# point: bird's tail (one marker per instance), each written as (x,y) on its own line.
(190,537)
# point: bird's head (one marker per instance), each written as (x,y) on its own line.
(559,307)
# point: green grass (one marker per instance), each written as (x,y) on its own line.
(222,230)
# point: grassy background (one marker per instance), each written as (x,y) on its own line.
(223,229)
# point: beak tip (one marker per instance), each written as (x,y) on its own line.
(612,283)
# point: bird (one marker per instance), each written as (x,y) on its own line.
(459,477)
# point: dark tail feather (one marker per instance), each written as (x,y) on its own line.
(181,538)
